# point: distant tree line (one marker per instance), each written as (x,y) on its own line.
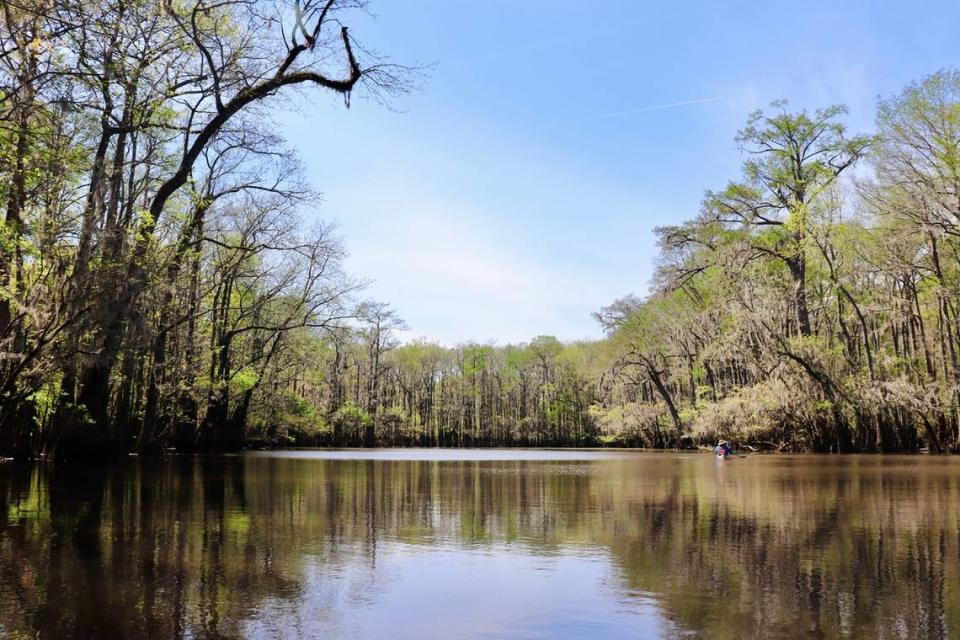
(159,288)
(364,390)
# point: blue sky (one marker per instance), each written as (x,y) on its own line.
(505,199)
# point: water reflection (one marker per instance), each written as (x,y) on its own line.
(574,546)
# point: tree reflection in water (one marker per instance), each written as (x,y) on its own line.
(642,545)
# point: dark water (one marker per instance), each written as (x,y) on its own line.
(413,544)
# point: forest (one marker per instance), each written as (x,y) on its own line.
(161,286)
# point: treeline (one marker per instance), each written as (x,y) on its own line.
(158,287)
(363,389)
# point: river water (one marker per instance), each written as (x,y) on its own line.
(483,544)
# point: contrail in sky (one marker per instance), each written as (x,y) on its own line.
(617,114)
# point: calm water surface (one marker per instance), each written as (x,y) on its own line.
(483,544)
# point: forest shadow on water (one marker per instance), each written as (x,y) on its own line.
(521,545)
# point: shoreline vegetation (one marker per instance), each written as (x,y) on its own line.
(159,288)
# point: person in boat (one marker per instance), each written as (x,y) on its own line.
(724,449)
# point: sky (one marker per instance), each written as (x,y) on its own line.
(516,190)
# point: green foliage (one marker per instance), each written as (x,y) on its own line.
(45,401)
(350,417)
(244,380)
(476,358)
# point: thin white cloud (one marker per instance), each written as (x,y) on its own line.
(627,112)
